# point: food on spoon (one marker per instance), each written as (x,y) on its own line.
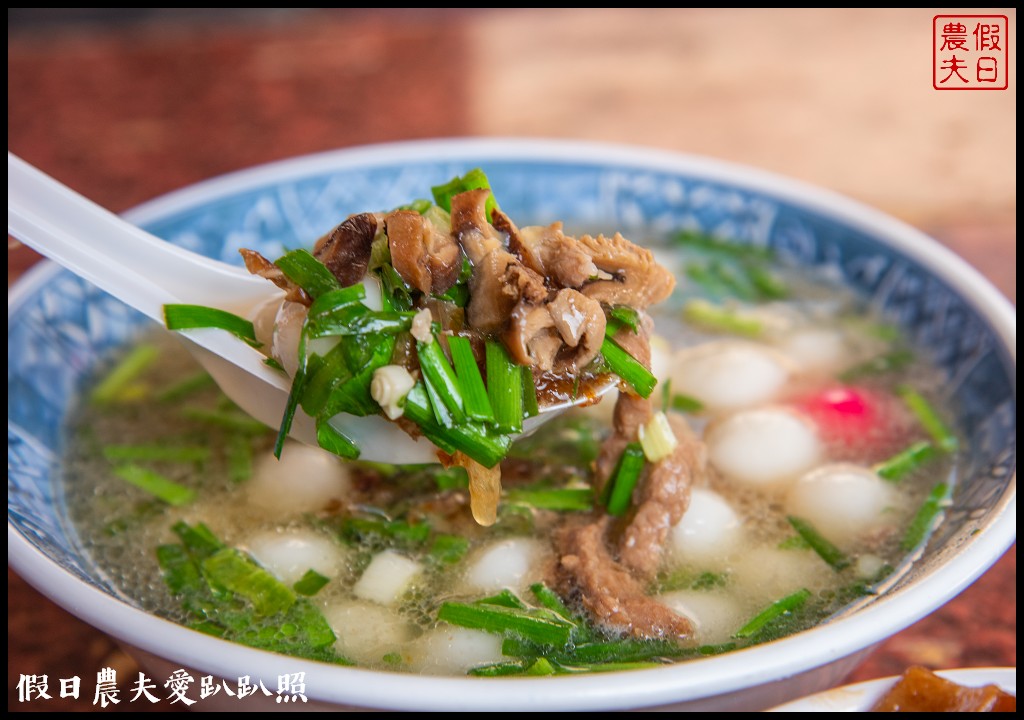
(464,295)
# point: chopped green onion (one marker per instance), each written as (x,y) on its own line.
(308,273)
(768,285)
(929,419)
(156,484)
(708,243)
(504,388)
(448,549)
(188,386)
(559,499)
(472,180)
(294,395)
(530,406)
(440,378)
(471,381)
(685,403)
(421,206)
(905,462)
(119,380)
(626,650)
(496,619)
(230,569)
(773,612)
(333,440)
(311,583)
(624,479)
(657,438)
(505,598)
(474,439)
(227,420)
(889,362)
(157,453)
(828,552)
(550,599)
(188,317)
(627,316)
(628,368)
(271,362)
(720,319)
(923,521)
(239,455)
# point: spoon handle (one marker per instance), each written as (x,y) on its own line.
(129,263)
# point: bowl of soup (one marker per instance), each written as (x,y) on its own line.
(848,385)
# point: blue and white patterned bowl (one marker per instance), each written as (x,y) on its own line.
(59,327)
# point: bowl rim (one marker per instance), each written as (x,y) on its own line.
(673,683)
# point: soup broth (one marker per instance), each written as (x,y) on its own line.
(827,464)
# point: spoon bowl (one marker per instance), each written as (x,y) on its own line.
(147,273)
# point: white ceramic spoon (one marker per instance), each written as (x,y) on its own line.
(147,273)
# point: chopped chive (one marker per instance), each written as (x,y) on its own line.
(227,420)
(496,619)
(888,362)
(505,598)
(188,386)
(188,317)
(540,668)
(686,403)
(828,552)
(239,455)
(624,479)
(311,583)
(294,396)
(198,538)
(707,243)
(156,453)
(628,368)
(773,612)
(472,180)
(441,379)
(929,419)
(627,316)
(922,523)
(768,285)
(504,388)
(474,439)
(271,362)
(906,461)
(627,650)
(549,599)
(333,440)
(471,381)
(559,499)
(721,319)
(530,406)
(421,206)
(229,568)
(156,484)
(307,272)
(448,549)
(124,374)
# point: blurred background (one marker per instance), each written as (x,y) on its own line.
(126,104)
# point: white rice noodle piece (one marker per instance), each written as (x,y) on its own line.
(290,553)
(305,479)
(448,650)
(514,563)
(764,448)
(715,615)
(387,578)
(842,501)
(730,374)
(708,532)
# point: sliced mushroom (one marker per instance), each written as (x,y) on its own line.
(470,227)
(637,279)
(345,250)
(259,265)
(532,338)
(562,335)
(427,259)
(554,254)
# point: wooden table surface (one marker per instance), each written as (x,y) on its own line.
(124,105)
